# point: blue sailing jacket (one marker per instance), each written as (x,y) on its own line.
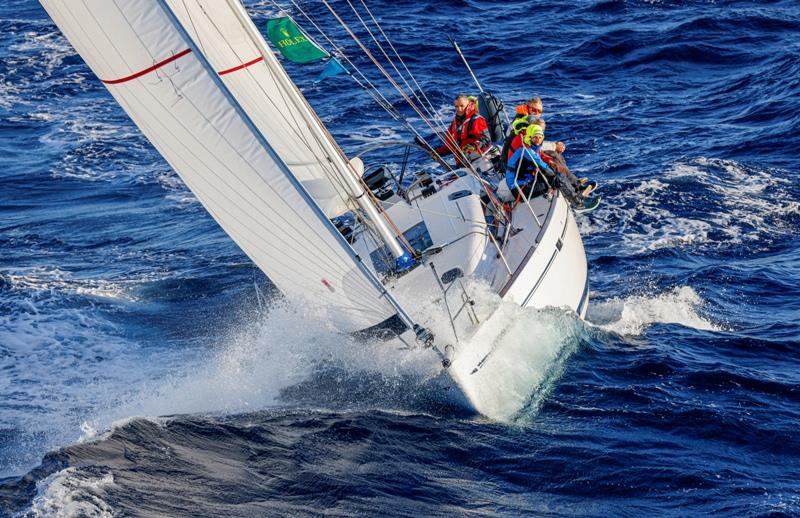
(527,170)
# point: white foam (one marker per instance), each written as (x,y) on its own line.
(530,348)
(733,204)
(46,279)
(632,315)
(69,358)
(253,366)
(69,493)
(33,61)
(751,197)
(375,134)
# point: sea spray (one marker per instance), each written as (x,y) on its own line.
(526,347)
(290,355)
(253,365)
(633,314)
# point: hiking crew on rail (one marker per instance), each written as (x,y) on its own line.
(530,165)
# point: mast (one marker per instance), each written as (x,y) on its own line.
(421,333)
(348,174)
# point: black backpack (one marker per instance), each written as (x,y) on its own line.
(490,108)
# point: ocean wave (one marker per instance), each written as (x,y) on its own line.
(37,59)
(699,202)
(308,361)
(43,279)
(632,315)
(73,492)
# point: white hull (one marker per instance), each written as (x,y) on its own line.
(496,369)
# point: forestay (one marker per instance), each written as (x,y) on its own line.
(152,71)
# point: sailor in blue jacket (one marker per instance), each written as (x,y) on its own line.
(523,164)
(526,161)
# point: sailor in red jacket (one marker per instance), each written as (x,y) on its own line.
(468,131)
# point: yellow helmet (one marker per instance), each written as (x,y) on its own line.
(531,131)
(519,124)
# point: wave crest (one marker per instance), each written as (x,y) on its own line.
(632,315)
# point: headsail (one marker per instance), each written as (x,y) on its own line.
(232,43)
(150,68)
(252,73)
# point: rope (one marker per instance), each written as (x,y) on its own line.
(391,45)
(389,60)
(364,83)
(389,77)
(446,138)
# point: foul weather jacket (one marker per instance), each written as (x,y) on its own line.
(522,166)
(470,130)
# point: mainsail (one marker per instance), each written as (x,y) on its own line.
(144,53)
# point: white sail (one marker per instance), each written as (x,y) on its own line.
(234,47)
(149,67)
(253,75)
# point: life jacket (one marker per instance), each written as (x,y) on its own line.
(523,169)
(504,153)
(514,143)
(519,124)
(469,132)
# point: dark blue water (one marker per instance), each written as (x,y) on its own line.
(120,297)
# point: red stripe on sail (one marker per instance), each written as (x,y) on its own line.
(240,67)
(146,70)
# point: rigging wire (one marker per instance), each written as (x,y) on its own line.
(391,45)
(388,76)
(336,149)
(383,102)
(446,138)
(334,173)
(361,79)
(374,92)
(389,60)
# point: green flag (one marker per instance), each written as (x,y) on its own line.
(292,43)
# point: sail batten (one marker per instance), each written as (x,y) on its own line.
(178,101)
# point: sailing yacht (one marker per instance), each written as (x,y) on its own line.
(203,86)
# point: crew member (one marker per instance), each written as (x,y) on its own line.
(468,132)
(524,164)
